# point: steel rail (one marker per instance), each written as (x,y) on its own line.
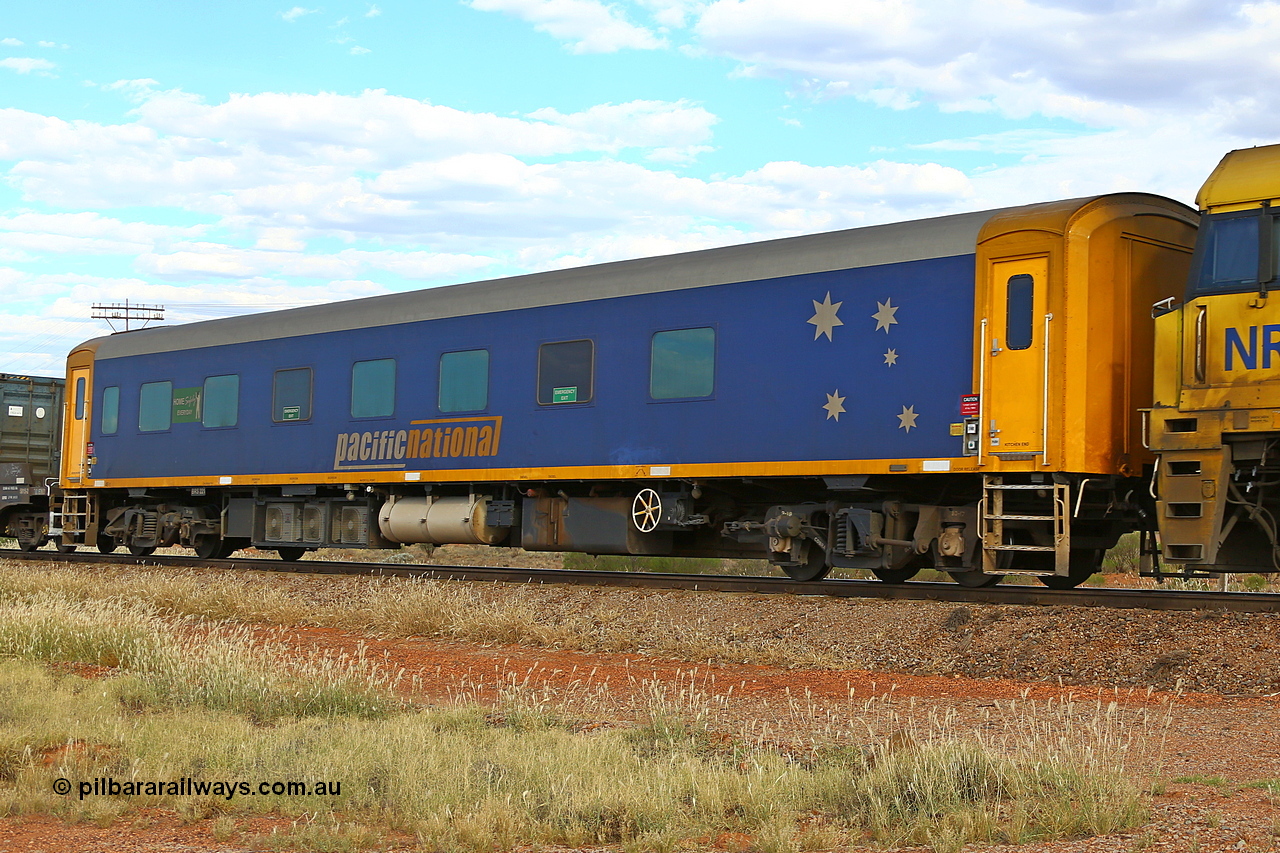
(1107,597)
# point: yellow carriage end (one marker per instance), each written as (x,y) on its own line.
(1063,334)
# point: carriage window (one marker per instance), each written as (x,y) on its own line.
(682,364)
(110,410)
(1020,299)
(373,388)
(155,406)
(291,395)
(80,399)
(221,404)
(464,381)
(565,372)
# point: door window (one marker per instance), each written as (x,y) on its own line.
(1020,321)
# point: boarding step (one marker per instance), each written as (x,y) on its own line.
(1027,514)
(1018,487)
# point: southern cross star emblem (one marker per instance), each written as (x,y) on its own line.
(884,315)
(824,317)
(907,420)
(891,357)
(835,405)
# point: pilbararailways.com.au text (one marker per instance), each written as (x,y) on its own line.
(188,787)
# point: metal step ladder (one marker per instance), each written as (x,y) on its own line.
(75,517)
(992,512)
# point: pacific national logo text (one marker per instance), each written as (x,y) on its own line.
(438,439)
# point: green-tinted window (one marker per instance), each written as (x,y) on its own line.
(682,364)
(221,403)
(80,399)
(464,381)
(155,406)
(373,388)
(565,372)
(110,410)
(291,395)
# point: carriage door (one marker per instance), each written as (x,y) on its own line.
(75,462)
(1016,363)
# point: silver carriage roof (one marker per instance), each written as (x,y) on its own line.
(939,237)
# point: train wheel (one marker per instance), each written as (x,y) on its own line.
(66,547)
(212,548)
(291,555)
(32,544)
(107,544)
(894,575)
(1083,564)
(815,567)
(142,550)
(975,580)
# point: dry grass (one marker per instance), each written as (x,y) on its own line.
(468,778)
(390,606)
(191,698)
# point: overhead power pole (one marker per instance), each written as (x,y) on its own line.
(128,312)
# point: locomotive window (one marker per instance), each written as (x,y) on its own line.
(1228,252)
(464,381)
(155,406)
(565,372)
(221,405)
(682,364)
(110,410)
(80,399)
(373,388)
(1019,302)
(291,395)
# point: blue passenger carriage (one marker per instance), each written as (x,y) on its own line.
(826,400)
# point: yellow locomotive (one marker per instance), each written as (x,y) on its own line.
(1215,420)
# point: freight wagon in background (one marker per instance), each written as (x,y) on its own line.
(959,392)
(31,415)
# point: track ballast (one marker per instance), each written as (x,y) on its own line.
(1138,599)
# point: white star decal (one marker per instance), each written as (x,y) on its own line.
(835,406)
(884,316)
(891,357)
(907,420)
(824,318)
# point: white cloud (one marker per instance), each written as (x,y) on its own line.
(1102,64)
(373,12)
(297,12)
(195,261)
(292,159)
(674,14)
(357,50)
(673,130)
(11,42)
(26,64)
(586,26)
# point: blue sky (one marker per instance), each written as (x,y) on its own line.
(241,156)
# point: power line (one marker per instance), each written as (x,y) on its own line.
(127,312)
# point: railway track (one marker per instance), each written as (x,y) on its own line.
(1139,599)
